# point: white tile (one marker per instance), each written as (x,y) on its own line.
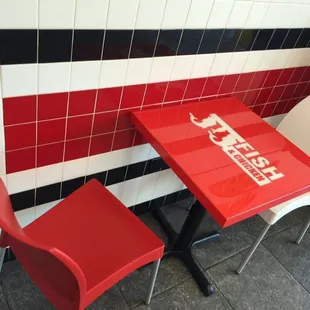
(153,153)
(116,190)
(257,15)
(202,66)
(220,13)
(138,71)
(112,73)
(199,14)
(175,14)
(147,187)
(267,61)
(239,14)
(302,19)
(99,163)
(49,174)
(2,163)
(18,14)
(91,14)
(120,158)
(25,217)
(56,14)
(19,80)
(140,153)
(150,14)
(74,168)
(175,184)
(183,67)
(161,69)
(84,75)
(220,64)
(281,59)
(54,77)
(299,57)
(237,62)
(253,61)
(122,14)
(41,209)
(130,191)
(2,140)
(163,183)
(21,181)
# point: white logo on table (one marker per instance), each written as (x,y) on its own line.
(241,152)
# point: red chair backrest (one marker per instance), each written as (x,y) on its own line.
(57,275)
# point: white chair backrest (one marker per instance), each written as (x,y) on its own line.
(296,125)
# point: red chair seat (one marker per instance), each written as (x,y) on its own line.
(100,234)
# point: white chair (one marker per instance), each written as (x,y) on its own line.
(295,127)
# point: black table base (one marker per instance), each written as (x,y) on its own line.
(180,245)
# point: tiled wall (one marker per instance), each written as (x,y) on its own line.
(72,71)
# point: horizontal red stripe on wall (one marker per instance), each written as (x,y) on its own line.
(47,129)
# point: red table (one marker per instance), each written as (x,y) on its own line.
(232,161)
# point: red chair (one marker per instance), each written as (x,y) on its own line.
(81,247)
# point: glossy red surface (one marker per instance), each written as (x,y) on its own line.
(55,248)
(209,169)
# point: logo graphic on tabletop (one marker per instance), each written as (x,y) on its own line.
(241,152)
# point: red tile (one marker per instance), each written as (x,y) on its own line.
(149,107)
(258,109)
(228,84)
(299,89)
(20,136)
(20,160)
(285,76)
(263,96)
(172,103)
(212,86)
(276,93)
(250,97)
(50,154)
(272,78)
(258,79)
(79,127)
(297,74)
(51,131)
(291,104)
(139,139)
(194,88)
(124,119)
(104,123)
(244,81)
(108,99)
(288,92)
(307,90)
(155,93)
(123,139)
(306,76)
(268,109)
(82,102)
(101,144)
(75,149)
(52,106)
(175,90)
(19,110)
(133,96)
(240,95)
(280,107)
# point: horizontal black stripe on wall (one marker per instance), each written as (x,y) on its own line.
(20,46)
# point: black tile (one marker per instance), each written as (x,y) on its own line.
(55,45)
(246,40)
(117,44)
(22,200)
(190,41)
(229,40)
(47,193)
(168,42)
(210,41)
(155,165)
(18,46)
(100,176)
(184,194)
(157,203)
(262,39)
(131,209)
(291,38)
(143,43)
(68,187)
(9,256)
(303,39)
(171,198)
(141,208)
(116,175)
(277,39)
(135,170)
(87,45)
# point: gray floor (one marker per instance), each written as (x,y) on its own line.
(277,277)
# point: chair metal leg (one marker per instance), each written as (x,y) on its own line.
(303,231)
(152,281)
(2,253)
(253,248)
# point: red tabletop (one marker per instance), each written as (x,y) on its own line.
(235,163)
